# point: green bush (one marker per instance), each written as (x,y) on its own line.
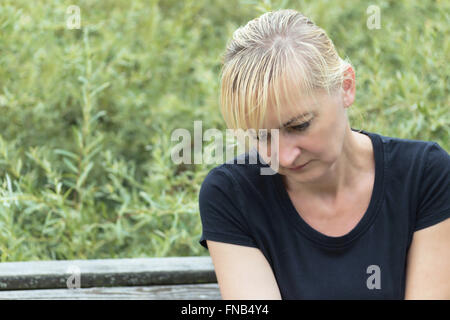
(87,115)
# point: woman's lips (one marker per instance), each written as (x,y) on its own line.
(299,167)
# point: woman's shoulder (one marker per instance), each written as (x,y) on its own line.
(419,161)
(242,172)
(245,165)
(404,143)
(405,149)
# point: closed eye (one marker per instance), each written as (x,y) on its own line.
(300,127)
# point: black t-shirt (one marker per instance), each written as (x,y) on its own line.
(411,191)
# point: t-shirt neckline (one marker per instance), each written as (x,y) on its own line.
(368,217)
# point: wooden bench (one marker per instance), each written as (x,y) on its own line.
(172,278)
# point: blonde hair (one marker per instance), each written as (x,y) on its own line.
(270,55)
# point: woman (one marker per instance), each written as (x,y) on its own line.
(349,214)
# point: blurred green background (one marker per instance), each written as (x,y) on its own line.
(87,115)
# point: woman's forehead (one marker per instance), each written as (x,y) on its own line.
(293,111)
(288,116)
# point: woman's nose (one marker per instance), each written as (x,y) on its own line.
(288,151)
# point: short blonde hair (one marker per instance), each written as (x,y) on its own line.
(269,56)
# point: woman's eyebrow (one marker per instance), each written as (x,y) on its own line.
(294,119)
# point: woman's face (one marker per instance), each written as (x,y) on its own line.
(316,139)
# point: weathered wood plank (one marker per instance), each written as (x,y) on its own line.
(208,291)
(107,272)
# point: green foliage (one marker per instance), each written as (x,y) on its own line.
(87,115)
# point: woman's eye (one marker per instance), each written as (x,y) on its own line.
(300,127)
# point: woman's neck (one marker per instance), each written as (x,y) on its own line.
(356,159)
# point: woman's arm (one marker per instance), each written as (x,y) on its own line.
(428,264)
(243,273)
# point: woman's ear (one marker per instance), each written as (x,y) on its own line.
(348,87)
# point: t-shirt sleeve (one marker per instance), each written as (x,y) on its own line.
(434,189)
(222,212)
